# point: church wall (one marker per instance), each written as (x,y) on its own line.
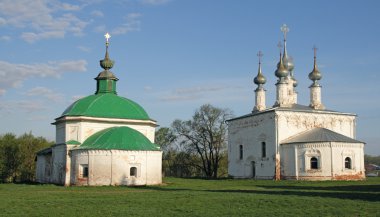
(59,164)
(250,133)
(113,167)
(331,161)
(291,123)
(81,130)
(43,168)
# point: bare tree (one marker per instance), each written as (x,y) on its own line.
(205,135)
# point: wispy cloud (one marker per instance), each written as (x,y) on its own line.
(46,93)
(28,106)
(38,118)
(154,2)
(97,13)
(101,28)
(198,92)
(131,24)
(13,75)
(5,38)
(41,19)
(84,48)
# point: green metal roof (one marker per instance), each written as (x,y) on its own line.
(119,138)
(107,105)
(72,142)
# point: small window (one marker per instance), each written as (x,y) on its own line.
(84,170)
(133,171)
(263,149)
(314,163)
(347,163)
(240,152)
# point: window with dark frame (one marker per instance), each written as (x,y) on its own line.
(84,171)
(313,163)
(263,149)
(133,171)
(240,152)
(347,163)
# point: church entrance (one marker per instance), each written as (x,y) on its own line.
(253,163)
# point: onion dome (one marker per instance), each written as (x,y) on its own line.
(281,71)
(315,75)
(259,79)
(119,138)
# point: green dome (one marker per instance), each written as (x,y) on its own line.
(119,138)
(106,105)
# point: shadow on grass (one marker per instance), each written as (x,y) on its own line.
(341,195)
(347,188)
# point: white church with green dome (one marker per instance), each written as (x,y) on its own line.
(102,139)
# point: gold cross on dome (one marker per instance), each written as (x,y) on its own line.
(107,36)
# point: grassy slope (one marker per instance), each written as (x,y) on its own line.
(194,197)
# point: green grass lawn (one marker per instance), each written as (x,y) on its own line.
(196,197)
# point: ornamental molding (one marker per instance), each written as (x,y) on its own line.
(313,120)
(251,121)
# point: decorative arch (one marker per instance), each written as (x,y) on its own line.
(313,159)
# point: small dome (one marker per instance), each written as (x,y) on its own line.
(259,79)
(315,75)
(288,63)
(119,138)
(281,71)
(106,105)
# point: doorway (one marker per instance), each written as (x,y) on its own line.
(253,163)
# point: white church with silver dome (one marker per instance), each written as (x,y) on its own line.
(102,139)
(293,141)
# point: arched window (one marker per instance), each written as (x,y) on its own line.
(241,152)
(133,171)
(347,163)
(313,163)
(263,149)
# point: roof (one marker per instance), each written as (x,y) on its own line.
(44,151)
(119,138)
(319,135)
(293,108)
(72,142)
(108,105)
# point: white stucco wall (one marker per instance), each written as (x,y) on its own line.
(275,126)
(80,129)
(112,167)
(250,132)
(295,161)
(291,123)
(43,168)
(58,164)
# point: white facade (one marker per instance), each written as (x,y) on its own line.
(115,167)
(80,128)
(293,141)
(255,148)
(63,164)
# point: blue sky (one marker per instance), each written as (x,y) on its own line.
(172,56)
